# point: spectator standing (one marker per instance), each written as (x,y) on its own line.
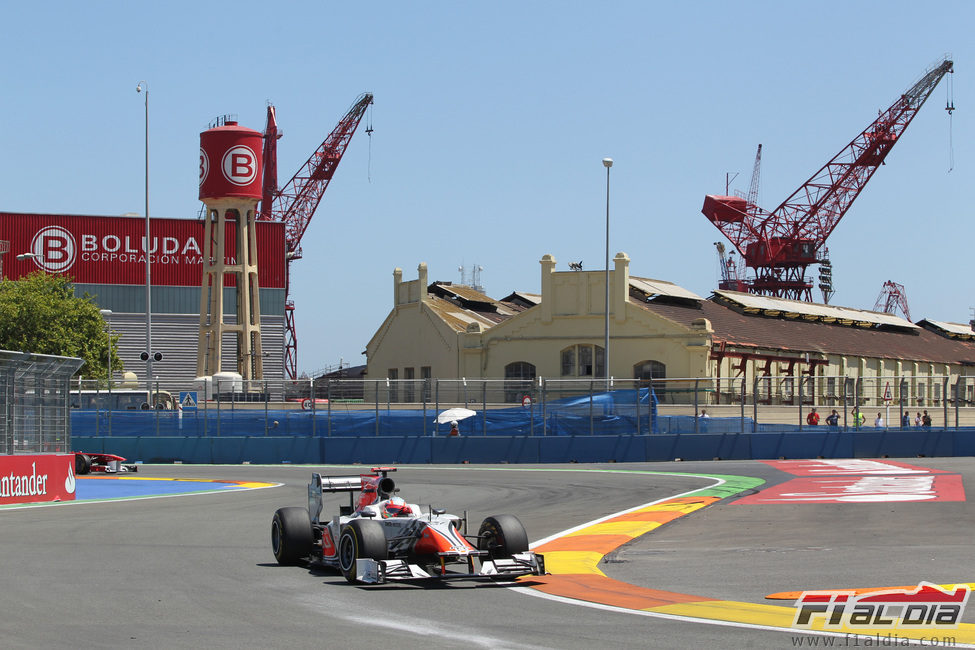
(906,420)
(833,419)
(917,419)
(859,419)
(813,418)
(879,421)
(926,420)
(703,420)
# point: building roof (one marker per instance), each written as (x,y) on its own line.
(788,331)
(461,306)
(745,321)
(951,330)
(751,303)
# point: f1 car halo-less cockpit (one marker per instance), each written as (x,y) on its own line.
(381,537)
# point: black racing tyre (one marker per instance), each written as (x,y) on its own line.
(360,538)
(502,535)
(292,538)
(82,464)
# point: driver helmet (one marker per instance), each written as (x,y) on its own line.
(396,507)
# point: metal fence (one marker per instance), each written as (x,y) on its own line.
(539,406)
(34,414)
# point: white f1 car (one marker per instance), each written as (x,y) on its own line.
(381,537)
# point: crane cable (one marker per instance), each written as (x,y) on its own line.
(369,131)
(950,107)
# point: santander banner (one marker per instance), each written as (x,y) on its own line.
(32,479)
(112,250)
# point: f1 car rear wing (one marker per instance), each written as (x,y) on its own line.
(372,486)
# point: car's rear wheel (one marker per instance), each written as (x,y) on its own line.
(360,538)
(82,464)
(502,536)
(292,538)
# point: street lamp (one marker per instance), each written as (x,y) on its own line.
(607,163)
(143,85)
(107,314)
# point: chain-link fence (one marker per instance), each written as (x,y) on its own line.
(34,414)
(540,406)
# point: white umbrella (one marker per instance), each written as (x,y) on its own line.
(457,414)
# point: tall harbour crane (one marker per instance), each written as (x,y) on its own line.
(781,244)
(296,202)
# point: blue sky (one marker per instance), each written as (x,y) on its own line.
(491,121)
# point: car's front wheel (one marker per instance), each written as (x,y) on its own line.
(502,536)
(360,538)
(82,464)
(292,538)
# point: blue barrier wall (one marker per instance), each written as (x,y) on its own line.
(371,449)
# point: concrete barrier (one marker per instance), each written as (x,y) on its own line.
(538,449)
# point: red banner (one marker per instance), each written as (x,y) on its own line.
(111,250)
(32,479)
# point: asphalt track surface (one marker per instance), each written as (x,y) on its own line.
(197,571)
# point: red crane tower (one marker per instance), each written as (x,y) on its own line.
(781,244)
(893,297)
(296,202)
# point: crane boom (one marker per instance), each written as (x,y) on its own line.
(756,178)
(296,202)
(781,244)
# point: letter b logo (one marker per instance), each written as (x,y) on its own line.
(239,165)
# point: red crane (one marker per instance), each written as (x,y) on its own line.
(296,202)
(893,297)
(781,244)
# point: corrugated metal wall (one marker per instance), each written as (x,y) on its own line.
(176,337)
(172,300)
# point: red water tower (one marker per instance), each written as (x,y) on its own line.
(230,186)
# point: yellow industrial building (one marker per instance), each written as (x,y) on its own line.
(785,351)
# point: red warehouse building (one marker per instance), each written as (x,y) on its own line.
(105,257)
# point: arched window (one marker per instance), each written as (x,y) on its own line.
(583,360)
(518,379)
(648,372)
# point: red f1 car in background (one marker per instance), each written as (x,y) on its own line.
(86,463)
(381,537)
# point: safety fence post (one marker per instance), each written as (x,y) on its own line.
(755,405)
(742,428)
(328,399)
(541,386)
(590,407)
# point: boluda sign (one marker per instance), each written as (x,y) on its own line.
(112,250)
(32,479)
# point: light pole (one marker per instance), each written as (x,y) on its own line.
(607,163)
(143,85)
(107,314)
